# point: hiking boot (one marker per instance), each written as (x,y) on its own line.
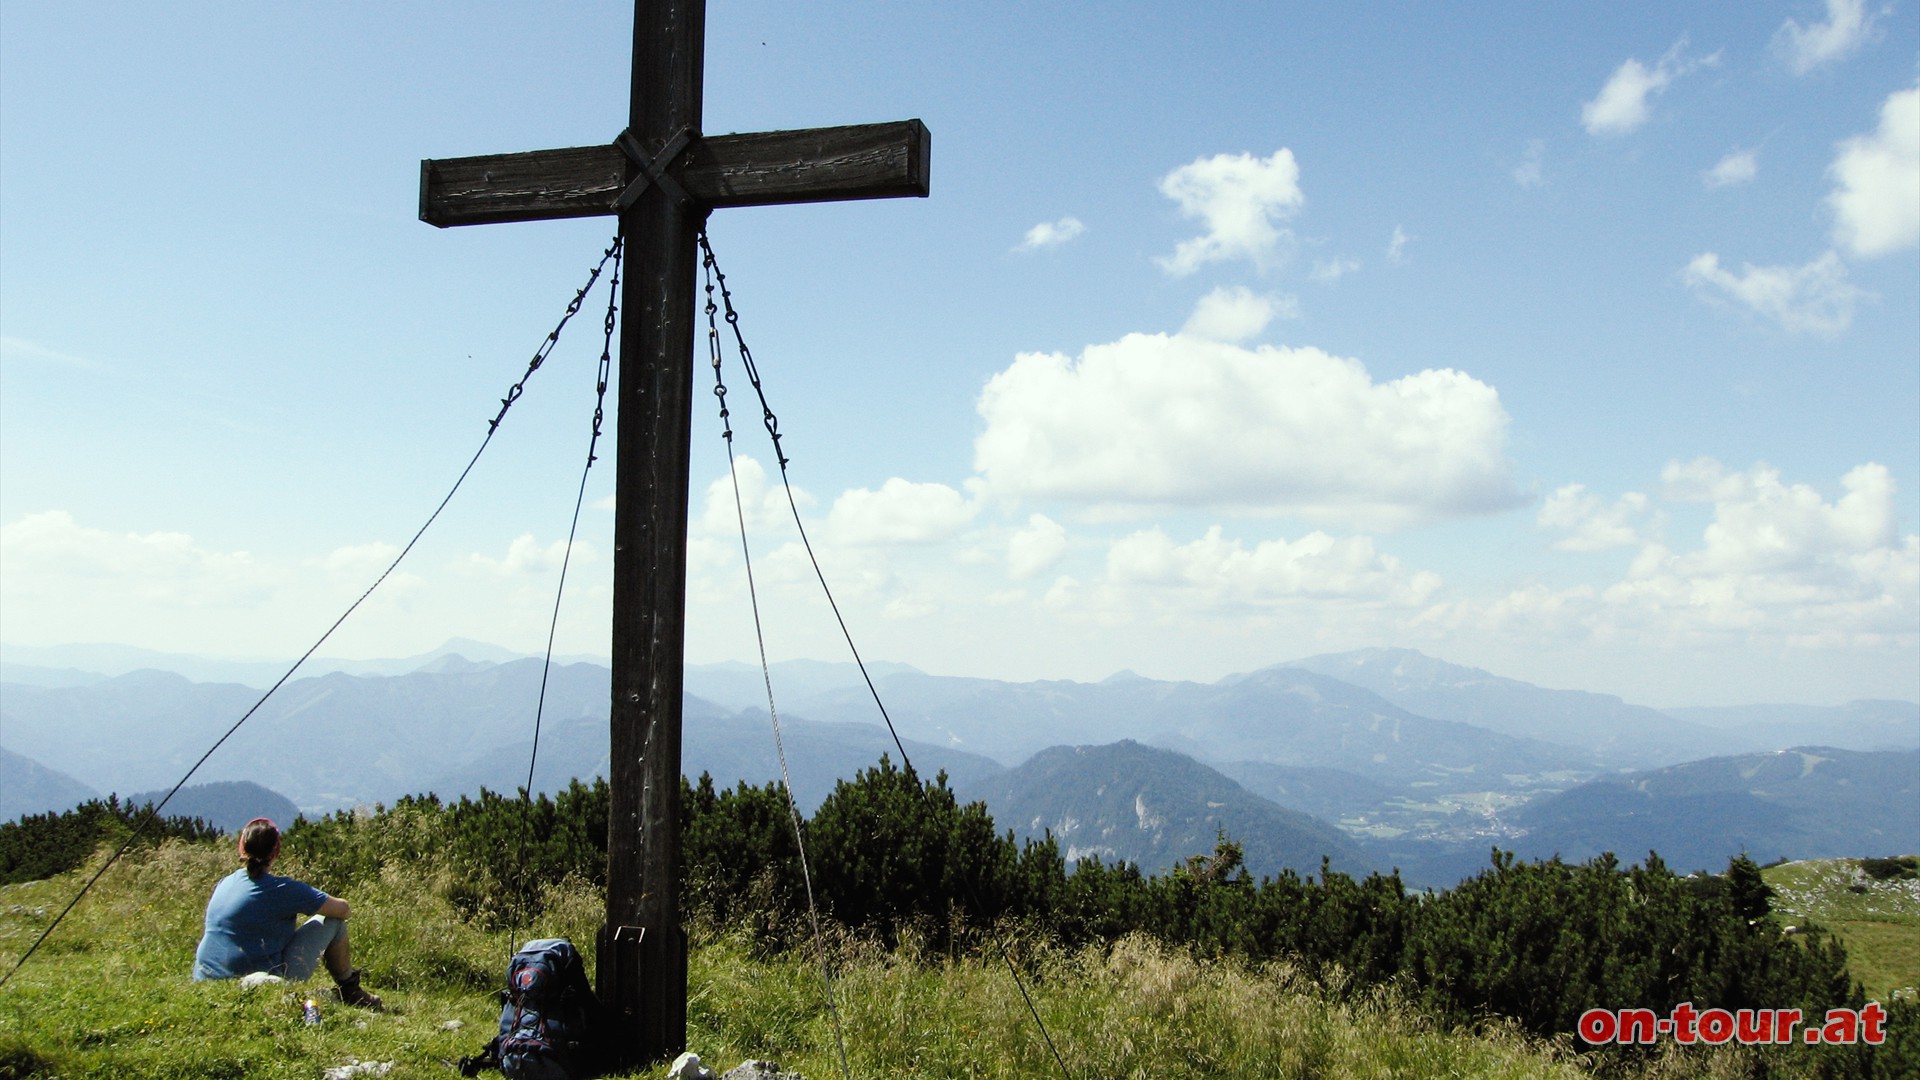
(351,992)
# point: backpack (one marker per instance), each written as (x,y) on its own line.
(548,1016)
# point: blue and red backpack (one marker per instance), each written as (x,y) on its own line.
(548,1016)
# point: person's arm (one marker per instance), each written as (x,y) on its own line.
(334,908)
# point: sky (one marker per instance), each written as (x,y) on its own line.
(1580,343)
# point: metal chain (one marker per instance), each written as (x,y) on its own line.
(710,272)
(767,417)
(773,430)
(573,528)
(553,338)
(606,351)
(152,813)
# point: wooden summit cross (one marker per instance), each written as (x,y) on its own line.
(661,177)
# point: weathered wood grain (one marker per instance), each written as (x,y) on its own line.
(858,161)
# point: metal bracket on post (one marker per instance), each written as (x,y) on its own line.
(653,962)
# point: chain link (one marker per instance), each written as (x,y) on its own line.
(606,350)
(707,271)
(767,417)
(553,338)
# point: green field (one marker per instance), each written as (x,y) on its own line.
(1878,921)
(108,997)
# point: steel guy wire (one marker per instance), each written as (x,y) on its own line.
(766,673)
(566,559)
(772,424)
(152,813)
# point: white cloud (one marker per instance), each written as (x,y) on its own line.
(1332,270)
(1591,525)
(1778,566)
(762,502)
(1814,299)
(1051,234)
(901,512)
(1738,167)
(1397,247)
(1876,195)
(1036,548)
(1804,48)
(44,553)
(1241,199)
(1156,421)
(1621,106)
(1214,573)
(1780,558)
(1235,314)
(1528,173)
(61,581)
(526,556)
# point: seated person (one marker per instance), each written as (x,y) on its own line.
(253,924)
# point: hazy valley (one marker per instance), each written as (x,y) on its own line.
(1374,759)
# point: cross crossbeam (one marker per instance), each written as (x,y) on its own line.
(860,161)
(661,177)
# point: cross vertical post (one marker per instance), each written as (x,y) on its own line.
(642,948)
(662,177)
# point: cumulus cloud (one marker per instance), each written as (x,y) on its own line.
(1590,524)
(762,501)
(1036,548)
(1805,48)
(901,512)
(1051,234)
(1778,562)
(1214,572)
(1876,176)
(1155,421)
(64,581)
(1781,556)
(44,548)
(1739,167)
(1235,314)
(527,556)
(1241,200)
(1621,106)
(1815,299)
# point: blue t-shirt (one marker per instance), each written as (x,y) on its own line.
(249,923)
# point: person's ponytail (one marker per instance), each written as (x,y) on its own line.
(259,843)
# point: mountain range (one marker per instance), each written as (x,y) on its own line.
(1375,758)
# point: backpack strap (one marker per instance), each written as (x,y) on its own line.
(488,1058)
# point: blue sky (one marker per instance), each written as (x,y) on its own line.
(1577,342)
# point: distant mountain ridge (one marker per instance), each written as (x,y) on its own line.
(1807,802)
(225,805)
(1152,807)
(28,787)
(1431,794)
(1857,725)
(1615,733)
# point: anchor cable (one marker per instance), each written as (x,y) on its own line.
(599,417)
(709,269)
(772,424)
(152,812)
